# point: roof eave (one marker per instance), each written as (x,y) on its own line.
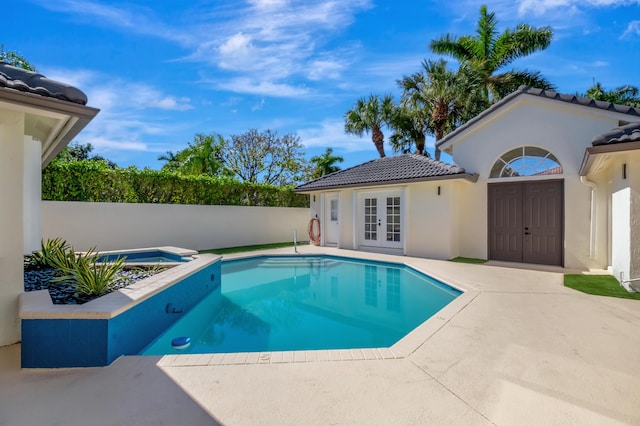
(591,152)
(466,176)
(78,117)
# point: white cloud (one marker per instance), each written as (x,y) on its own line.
(236,52)
(322,69)
(264,4)
(171,103)
(139,20)
(633,29)
(330,133)
(559,14)
(123,122)
(262,88)
(107,92)
(266,42)
(272,41)
(101,143)
(539,7)
(258,106)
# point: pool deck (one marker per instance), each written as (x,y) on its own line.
(520,349)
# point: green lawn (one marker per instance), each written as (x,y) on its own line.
(600,285)
(468,260)
(229,250)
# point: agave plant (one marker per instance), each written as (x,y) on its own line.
(89,276)
(53,253)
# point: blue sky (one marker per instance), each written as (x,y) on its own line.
(163,71)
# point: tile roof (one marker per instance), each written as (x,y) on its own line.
(387,170)
(32,82)
(548,94)
(622,134)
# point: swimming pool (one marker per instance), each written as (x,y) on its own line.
(307,302)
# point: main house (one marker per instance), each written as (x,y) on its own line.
(38,118)
(541,178)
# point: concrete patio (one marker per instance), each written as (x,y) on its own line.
(521,349)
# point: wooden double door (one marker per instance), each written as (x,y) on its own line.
(526,221)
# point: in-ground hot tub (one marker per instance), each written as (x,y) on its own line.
(120,323)
(149,255)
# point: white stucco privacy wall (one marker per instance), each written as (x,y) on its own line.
(112,226)
(564,130)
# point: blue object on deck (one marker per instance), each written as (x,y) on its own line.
(181,342)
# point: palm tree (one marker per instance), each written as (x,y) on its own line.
(369,115)
(410,124)
(488,52)
(325,163)
(202,157)
(447,98)
(13,58)
(622,95)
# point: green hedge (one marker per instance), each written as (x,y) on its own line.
(94,181)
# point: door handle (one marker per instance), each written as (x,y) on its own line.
(526,231)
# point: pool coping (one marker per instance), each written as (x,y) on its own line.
(38,304)
(401,349)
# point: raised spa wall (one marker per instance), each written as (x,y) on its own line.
(120,323)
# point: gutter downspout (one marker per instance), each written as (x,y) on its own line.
(592,230)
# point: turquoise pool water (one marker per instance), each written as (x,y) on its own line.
(305,303)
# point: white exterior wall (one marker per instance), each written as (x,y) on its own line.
(562,129)
(113,226)
(431,227)
(32,193)
(11,222)
(620,231)
(633,172)
(429,220)
(347,208)
(625,214)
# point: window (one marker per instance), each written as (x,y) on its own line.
(526,161)
(334,210)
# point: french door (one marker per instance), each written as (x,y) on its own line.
(381,220)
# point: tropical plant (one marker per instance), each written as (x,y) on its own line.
(437,100)
(203,156)
(369,115)
(89,276)
(622,95)
(488,52)
(14,58)
(266,157)
(325,163)
(53,253)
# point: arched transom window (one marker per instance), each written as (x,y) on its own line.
(526,161)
